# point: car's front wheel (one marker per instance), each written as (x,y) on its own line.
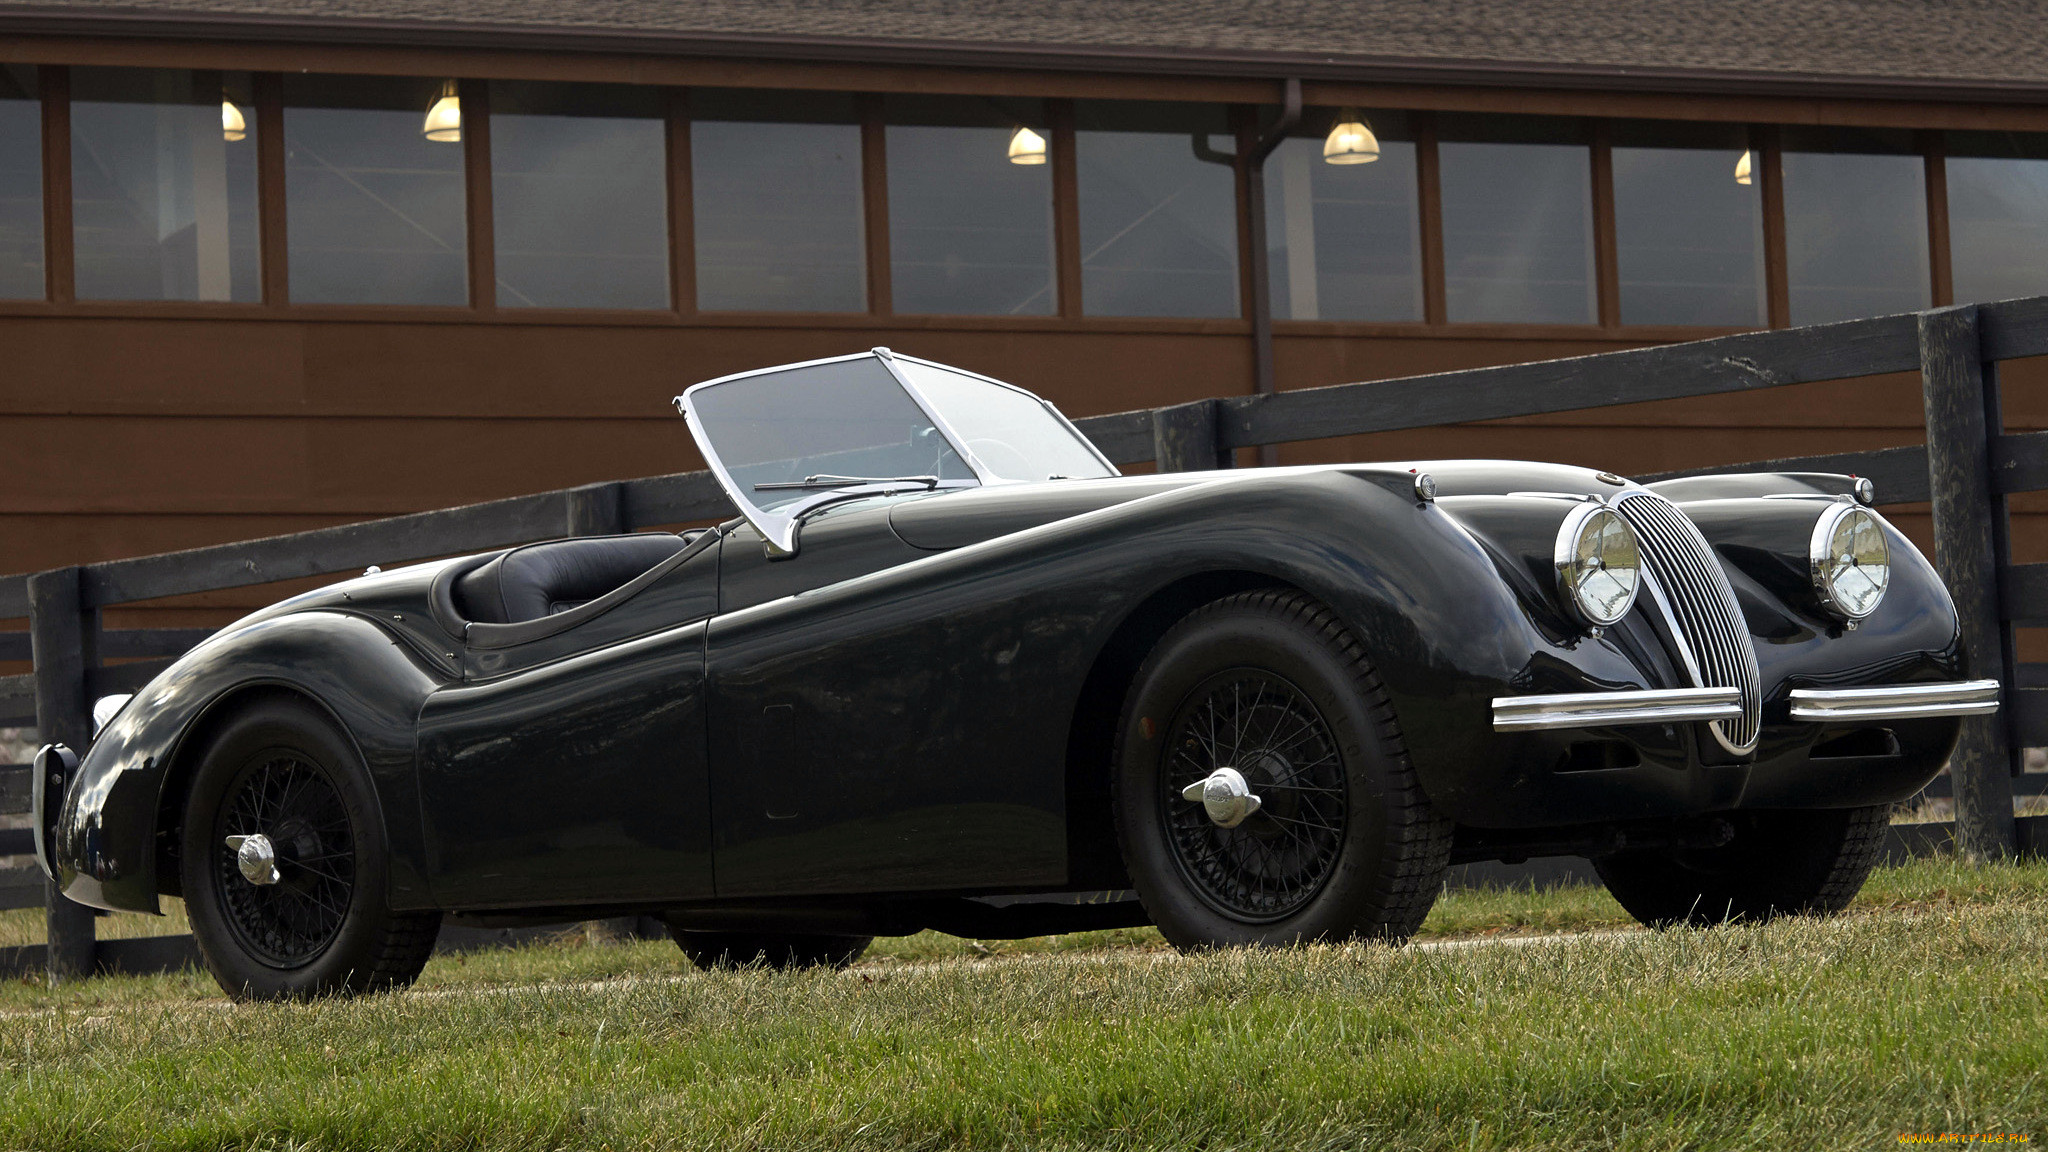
(284,863)
(1261,788)
(1791,863)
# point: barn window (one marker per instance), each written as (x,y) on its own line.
(1518,219)
(1855,223)
(579,196)
(776,182)
(21,184)
(1343,228)
(970,206)
(1688,222)
(163,179)
(374,190)
(1158,206)
(1998,214)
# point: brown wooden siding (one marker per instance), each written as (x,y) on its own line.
(129,436)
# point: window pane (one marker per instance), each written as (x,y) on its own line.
(1689,225)
(1158,210)
(1855,223)
(375,209)
(776,181)
(163,185)
(579,195)
(1343,238)
(1518,219)
(970,213)
(21,184)
(1998,214)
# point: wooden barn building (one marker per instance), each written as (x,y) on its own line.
(273,264)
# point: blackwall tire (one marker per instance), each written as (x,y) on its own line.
(1345,846)
(1792,863)
(280,768)
(714,950)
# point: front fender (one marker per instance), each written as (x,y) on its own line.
(108,850)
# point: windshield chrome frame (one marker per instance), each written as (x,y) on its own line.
(779,527)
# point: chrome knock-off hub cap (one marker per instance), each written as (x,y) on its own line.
(256,856)
(1225,796)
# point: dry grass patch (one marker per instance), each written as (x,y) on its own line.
(1921,1012)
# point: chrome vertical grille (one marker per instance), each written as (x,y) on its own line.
(1706,616)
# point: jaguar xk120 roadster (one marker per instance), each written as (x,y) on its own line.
(949,669)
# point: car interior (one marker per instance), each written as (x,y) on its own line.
(541,580)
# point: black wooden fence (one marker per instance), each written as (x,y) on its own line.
(1967,468)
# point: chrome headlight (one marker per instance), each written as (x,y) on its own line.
(1599,567)
(1850,561)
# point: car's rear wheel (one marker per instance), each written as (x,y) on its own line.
(1266,694)
(712,950)
(1792,863)
(284,863)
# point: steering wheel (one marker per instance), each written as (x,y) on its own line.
(1005,460)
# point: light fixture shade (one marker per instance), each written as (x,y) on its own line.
(1743,170)
(444,119)
(1351,141)
(232,126)
(1026,147)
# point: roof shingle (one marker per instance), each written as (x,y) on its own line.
(1989,44)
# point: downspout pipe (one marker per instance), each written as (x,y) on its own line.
(1262,279)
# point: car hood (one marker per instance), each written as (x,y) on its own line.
(945,520)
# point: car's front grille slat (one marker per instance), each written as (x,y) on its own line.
(1708,618)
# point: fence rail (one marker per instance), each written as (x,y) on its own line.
(1966,469)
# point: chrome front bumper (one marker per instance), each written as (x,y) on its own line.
(1895,701)
(1609,709)
(1685,705)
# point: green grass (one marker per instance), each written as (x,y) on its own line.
(1921,1011)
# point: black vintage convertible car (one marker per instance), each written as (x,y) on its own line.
(950,670)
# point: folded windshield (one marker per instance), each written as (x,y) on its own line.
(785,440)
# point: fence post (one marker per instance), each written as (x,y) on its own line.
(61,631)
(596,510)
(1969,521)
(1184,437)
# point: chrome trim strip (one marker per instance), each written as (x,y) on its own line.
(1611,709)
(1896,701)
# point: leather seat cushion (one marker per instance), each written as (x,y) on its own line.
(543,579)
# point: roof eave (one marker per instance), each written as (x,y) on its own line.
(37,20)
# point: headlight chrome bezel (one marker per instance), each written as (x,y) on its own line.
(1820,549)
(1584,519)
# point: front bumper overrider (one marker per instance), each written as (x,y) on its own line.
(1675,705)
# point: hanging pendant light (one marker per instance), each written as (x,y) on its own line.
(1742,169)
(444,119)
(1026,147)
(1351,141)
(232,126)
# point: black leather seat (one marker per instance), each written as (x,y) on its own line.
(542,579)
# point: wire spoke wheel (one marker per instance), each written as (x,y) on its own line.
(283,796)
(1277,860)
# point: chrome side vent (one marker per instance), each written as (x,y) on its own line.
(1706,616)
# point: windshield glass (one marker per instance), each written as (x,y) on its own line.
(1012,434)
(845,419)
(786,442)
